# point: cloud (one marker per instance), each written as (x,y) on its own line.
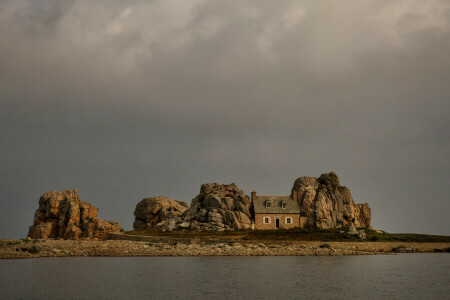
(257,92)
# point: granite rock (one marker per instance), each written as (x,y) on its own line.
(63,215)
(219,207)
(156,211)
(325,203)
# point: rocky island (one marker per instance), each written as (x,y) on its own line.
(321,203)
(318,217)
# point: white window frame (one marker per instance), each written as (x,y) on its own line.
(283,205)
(264,220)
(286,220)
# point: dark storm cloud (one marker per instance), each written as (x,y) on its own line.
(127,99)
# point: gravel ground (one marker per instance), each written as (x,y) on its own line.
(64,248)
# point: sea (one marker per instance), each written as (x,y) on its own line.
(400,276)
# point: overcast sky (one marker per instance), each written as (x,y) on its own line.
(130,99)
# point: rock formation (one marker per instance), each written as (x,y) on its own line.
(64,215)
(219,207)
(359,233)
(155,211)
(326,204)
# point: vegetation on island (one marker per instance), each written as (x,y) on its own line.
(295,234)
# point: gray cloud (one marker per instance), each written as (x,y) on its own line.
(127,99)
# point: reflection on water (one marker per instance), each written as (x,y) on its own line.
(403,276)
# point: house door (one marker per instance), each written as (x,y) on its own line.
(277,222)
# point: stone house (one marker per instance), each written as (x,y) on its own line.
(273,212)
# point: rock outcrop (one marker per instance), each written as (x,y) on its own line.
(156,211)
(219,207)
(359,233)
(64,215)
(326,204)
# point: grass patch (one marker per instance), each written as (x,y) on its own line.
(295,234)
(10,243)
(374,236)
(251,235)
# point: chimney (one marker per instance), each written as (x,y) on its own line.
(253,195)
(294,196)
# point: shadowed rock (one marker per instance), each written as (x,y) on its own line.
(64,215)
(155,211)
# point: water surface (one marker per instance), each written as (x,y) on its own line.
(405,276)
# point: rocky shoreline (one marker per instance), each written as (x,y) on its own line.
(10,249)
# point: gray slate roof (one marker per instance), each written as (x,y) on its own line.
(275,205)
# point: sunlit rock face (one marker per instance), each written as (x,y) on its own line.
(327,204)
(64,215)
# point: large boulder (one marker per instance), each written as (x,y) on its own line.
(64,215)
(219,207)
(156,211)
(324,203)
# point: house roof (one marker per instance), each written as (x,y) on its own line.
(259,205)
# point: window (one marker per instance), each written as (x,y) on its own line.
(283,205)
(288,220)
(267,204)
(266,220)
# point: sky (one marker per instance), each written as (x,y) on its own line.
(124,100)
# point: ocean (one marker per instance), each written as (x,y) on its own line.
(402,276)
